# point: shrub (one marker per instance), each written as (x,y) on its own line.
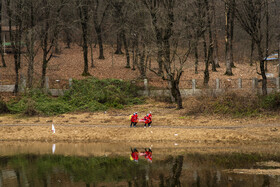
(234,104)
(271,101)
(30,109)
(85,95)
(3,107)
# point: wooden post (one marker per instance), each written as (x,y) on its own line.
(240,83)
(22,83)
(255,84)
(193,86)
(146,91)
(217,84)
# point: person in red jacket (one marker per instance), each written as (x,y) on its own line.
(148,155)
(150,119)
(147,120)
(135,119)
(132,119)
(134,155)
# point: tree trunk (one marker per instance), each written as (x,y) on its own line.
(126,50)
(196,59)
(206,61)
(262,68)
(98,31)
(216,48)
(91,55)
(1,42)
(84,19)
(232,17)
(175,91)
(211,44)
(44,70)
(159,44)
(279,56)
(17,73)
(134,56)
(142,65)
(30,70)
(267,33)
(227,39)
(68,39)
(119,44)
(252,51)
(196,56)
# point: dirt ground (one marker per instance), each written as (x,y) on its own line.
(169,125)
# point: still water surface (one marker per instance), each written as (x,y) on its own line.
(46,164)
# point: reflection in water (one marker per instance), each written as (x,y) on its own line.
(147,154)
(188,170)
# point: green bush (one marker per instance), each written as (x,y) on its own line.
(271,101)
(85,95)
(93,94)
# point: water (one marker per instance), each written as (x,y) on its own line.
(99,164)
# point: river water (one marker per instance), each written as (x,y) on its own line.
(109,164)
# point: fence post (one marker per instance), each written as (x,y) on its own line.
(22,83)
(255,84)
(240,83)
(193,85)
(217,84)
(146,91)
(278,83)
(70,82)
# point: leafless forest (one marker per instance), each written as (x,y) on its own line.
(169,31)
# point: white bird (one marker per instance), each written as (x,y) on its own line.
(53,148)
(53,129)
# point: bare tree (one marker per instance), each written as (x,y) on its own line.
(100,9)
(49,32)
(14,12)
(173,59)
(215,39)
(1,42)
(208,51)
(228,41)
(197,25)
(83,11)
(250,14)
(153,8)
(31,37)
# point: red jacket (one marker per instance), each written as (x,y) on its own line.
(135,156)
(148,155)
(150,116)
(132,118)
(147,119)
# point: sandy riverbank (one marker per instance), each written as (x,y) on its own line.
(169,125)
